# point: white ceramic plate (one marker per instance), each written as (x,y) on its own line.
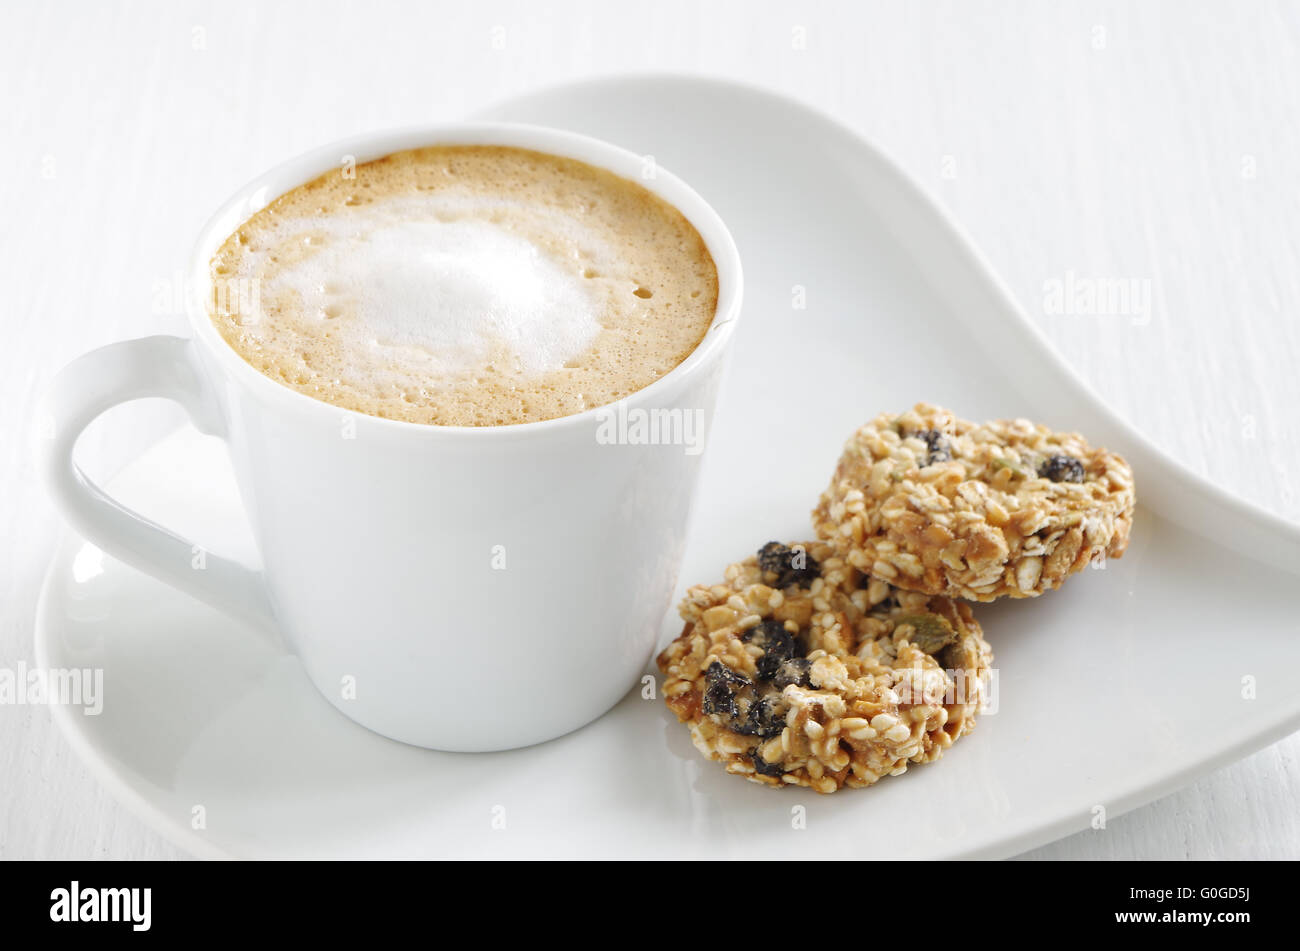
(1113,691)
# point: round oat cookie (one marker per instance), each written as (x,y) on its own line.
(800,670)
(935,504)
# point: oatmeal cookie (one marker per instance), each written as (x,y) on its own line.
(801,670)
(935,504)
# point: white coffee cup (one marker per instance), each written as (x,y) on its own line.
(464,589)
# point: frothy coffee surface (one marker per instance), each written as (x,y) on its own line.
(465,286)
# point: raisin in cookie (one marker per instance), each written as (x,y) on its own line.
(801,670)
(938,505)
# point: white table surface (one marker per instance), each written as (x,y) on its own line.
(1154,142)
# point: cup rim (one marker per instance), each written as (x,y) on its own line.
(271,184)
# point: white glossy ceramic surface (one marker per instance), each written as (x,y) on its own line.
(535,560)
(1112,691)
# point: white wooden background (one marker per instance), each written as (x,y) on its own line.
(1157,142)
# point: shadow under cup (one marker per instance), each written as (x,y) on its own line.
(463,589)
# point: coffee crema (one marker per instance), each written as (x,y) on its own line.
(466,286)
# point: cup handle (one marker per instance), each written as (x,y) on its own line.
(160,366)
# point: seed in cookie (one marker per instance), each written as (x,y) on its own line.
(931,503)
(719,697)
(1061,468)
(937,446)
(790,566)
(763,767)
(766,717)
(773,637)
(889,677)
(930,632)
(792,671)
(777,643)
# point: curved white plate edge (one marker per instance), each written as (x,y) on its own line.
(980,267)
(120,788)
(143,807)
(137,803)
(1117,806)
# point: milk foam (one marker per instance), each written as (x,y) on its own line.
(468,285)
(432,281)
